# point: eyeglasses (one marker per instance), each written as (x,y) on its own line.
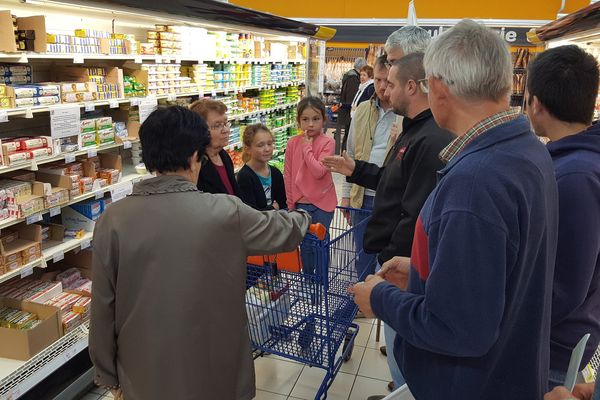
(220,126)
(424,85)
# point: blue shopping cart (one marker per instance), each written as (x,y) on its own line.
(308,317)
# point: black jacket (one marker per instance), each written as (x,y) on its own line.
(210,181)
(350,84)
(402,185)
(367,93)
(252,192)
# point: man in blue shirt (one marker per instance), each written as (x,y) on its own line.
(471,307)
(562,87)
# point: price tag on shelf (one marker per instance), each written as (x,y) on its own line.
(213,93)
(177,59)
(25,272)
(166,60)
(121,190)
(113,103)
(78,59)
(158,59)
(146,107)
(32,219)
(54,211)
(85,244)
(138,59)
(34,165)
(65,120)
(69,158)
(171,97)
(135,101)
(89,107)
(225,92)
(23,58)
(99,195)
(92,153)
(58,257)
(127,144)
(3,116)
(28,113)
(200,61)
(201,94)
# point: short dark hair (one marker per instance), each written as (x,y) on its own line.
(381,61)
(170,136)
(410,67)
(312,102)
(565,81)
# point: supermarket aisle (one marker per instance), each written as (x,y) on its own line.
(279,379)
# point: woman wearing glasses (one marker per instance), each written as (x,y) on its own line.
(217,174)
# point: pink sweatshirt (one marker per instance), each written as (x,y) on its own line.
(306,176)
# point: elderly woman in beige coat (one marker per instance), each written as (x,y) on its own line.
(169,271)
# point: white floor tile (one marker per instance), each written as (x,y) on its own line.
(371,343)
(351,366)
(363,334)
(374,365)
(310,382)
(276,376)
(276,357)
(365,387)
(262,395)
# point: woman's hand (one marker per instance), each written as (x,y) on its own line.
(307,139)
(275,205)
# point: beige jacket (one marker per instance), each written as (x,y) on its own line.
(169,275)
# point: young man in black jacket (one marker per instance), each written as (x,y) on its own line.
(408,174)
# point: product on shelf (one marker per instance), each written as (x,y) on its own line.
(17,319)
(132,87)
(33,290)
(77,92)
(71,44)
(166,79)
(166,40)
(106,90)
(21,249)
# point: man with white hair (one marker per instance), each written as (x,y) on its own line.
(471,307)
(350,84)
(406,40)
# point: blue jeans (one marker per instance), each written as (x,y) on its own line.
(365,264)
(312,264)
(390,337)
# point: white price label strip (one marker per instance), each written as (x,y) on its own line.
(99,195)
(32,219)
(213,92)
(127,144)
(137,60)
(58,257)
(113,103)
(171,97)
(78,59)
(69,158)
(28,113)
(25,272)
(92,153)
(85,244)
(54,211)
(135,102)
(89,107)
(121,190)
(3,116)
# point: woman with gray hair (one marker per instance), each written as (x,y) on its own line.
(471,307)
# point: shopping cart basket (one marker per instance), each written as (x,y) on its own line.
(308,316)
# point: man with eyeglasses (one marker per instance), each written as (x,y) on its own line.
(407,177)
(471,307)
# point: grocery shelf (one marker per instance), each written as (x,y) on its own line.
(283,128)
(32,164)
(17,377)
(24,57)
(233,146)
(114,103)
(50,253)
(261,112)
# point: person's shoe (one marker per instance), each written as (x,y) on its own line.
(378,397)
(383,350)
(391,386)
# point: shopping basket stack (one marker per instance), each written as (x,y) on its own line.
(307,316)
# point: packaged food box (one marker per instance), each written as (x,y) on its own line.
(9,70)
(17,79)
(75,87)
(111,175)
(78,97)
(103,123)
(88,125)
(26,206)
(88,139)
(86,185)
(105,136)
(15,190)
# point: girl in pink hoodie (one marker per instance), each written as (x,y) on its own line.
(308,183)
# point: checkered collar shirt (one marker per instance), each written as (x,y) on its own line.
(458,144)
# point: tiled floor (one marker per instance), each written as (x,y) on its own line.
(277,378)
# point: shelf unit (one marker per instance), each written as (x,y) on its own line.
(18,377)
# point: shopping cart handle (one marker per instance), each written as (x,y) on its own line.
(318,230)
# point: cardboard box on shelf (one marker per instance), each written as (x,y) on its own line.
(7,33)
(26,247)
(37,24)
(22,344)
